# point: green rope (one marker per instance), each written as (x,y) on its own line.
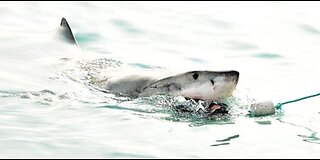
(279,105)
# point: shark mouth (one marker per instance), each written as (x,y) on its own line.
(211,108)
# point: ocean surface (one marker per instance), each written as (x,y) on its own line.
(47,110)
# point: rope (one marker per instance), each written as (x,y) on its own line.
(279,105)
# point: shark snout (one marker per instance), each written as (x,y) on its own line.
(232,73)
(232,76)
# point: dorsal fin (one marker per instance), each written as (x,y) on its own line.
(66,32)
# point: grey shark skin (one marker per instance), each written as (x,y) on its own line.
(204,85)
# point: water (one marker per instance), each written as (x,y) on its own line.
(47,110)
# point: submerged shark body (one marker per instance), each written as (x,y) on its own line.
(200,85)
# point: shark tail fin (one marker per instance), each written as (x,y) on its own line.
(66,32)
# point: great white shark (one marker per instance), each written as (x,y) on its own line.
(199,84)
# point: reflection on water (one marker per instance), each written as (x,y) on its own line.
(311,139)
(225,141)
(126,26)
(310,29)
(267,55)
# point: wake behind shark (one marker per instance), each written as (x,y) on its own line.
(199,85)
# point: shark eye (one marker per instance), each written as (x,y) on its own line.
(195,76)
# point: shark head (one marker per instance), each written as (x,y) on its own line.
(203,85)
